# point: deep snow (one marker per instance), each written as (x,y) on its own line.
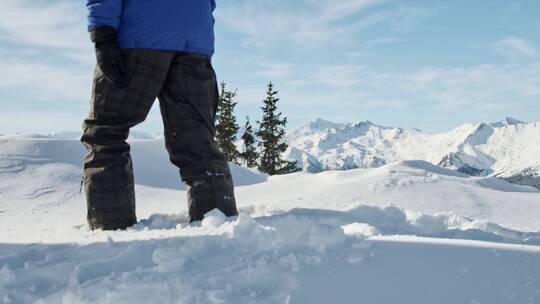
(406,232)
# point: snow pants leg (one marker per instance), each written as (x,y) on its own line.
(186,86)
(188,103)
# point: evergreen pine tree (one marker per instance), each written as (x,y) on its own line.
(226,126)
(249,155)
(272,132)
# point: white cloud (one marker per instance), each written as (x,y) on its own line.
(333,10)
(514,48)
(57,24)
(386,103)
(479,87)
(40,122)
(337,75)
(275,70)
(315,22)
(45,81)
(46,49)
(406,17)
(475,87)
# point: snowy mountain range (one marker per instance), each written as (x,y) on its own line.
(509,149)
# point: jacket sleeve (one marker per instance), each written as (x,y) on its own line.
(104,12)
(213,2)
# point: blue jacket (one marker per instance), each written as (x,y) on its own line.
(176,25)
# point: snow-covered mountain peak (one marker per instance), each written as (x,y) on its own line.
(321,124)
(314,126)
(507,121)
(363,123)
(479,135)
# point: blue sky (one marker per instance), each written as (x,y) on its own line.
(429,64)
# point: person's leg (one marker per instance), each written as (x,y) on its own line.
(188,103)
(108,172)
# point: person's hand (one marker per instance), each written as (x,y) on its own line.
(109,56)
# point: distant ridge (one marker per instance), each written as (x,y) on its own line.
(509,149)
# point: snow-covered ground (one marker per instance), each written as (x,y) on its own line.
(405,232)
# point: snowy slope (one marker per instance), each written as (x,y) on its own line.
(507,149)
(404,232)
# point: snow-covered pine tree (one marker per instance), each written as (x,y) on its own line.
(271,133)
(226,126)
(249,155)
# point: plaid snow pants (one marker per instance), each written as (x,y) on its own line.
(185,84)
